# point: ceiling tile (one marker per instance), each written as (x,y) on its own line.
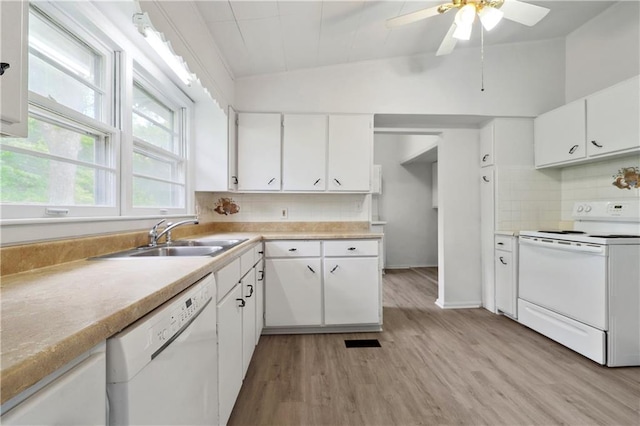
(339,25)
(301,38)
(302,9)
(254,9)
(228,38)
(263,39)
(215,11)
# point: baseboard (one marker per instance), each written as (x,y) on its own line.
(409,267)
(463,305)
(364,328)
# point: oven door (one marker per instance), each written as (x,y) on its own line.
(567,278)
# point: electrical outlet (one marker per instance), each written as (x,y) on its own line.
(284,213)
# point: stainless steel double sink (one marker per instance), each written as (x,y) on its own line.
(202,247)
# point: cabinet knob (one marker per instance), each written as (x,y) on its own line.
(4,66)
(596,144)
(485,158)
(311,269)
(573,149)
(242,303)
(502,260)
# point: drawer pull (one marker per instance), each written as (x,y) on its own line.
(293,249)
(311,269)
(242,303)
(261,252)
(502,260)
(334,269)
(351,248)
(500,244)
(250,290)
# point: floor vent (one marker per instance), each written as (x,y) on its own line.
(362,343)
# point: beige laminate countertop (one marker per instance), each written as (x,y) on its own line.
(52,315)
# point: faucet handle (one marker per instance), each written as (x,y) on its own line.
(153,233)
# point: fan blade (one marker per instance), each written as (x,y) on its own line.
(448,43)
(523,13)
(412,17)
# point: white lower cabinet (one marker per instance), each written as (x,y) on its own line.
(248,318)
(311,285)
(230,368)
(350,293)
(259,290)
(293,293)
(73,395)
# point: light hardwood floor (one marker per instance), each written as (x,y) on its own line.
(434,367)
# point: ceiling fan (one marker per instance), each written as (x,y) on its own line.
(490,12)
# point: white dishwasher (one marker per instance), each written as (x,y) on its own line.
(161,370)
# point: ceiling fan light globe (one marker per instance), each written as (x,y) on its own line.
(490,16)
(463,32)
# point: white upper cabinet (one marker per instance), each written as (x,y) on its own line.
(350,152)
(613,117)
(232,143)
(486,145)
(559,135)
(304,153)
(259,151)
(601,125)
(14,20)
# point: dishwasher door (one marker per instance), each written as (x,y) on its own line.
(174,384)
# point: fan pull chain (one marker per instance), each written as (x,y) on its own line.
(482,58)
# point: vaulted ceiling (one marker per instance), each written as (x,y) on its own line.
(258,37)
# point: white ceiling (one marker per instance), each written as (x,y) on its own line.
(258,37)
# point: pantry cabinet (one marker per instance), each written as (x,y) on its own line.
(350,152)
(304,152)
(259,151)
(14,20)
(600,125)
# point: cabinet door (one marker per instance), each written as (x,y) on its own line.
(259,152)
(612,119)
(351,291)
(304,153)
(559,135)
(293,292)
(505,284)
(487,230)
(350,152)
(232,141)
(230,371)
(248,319)
(486,145)
(14,20)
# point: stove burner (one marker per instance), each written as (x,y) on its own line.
(615,236)
(562,232)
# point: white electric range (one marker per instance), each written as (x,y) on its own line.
(581,287)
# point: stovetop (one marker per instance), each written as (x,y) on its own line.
(602,238)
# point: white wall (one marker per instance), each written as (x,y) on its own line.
(520,80)
(459,273)
(604,51)
(411,232)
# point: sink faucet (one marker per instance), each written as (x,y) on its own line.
(154,236)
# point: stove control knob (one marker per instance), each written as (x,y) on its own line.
(587,209)
(579,209)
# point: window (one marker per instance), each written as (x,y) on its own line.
(159,151)
(67,165)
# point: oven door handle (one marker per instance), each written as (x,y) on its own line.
(566,246)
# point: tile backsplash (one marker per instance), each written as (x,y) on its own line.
(298,207)
(594,181)
(527,199)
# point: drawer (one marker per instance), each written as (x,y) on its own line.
(246,261)
(258,252)
(292,248)
(227,278)
(503,242)
(351,248)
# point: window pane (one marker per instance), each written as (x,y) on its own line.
(154,122)
(56,140)
(162,169)
(72,58)
(150,193)
(52,83)
(34,180)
